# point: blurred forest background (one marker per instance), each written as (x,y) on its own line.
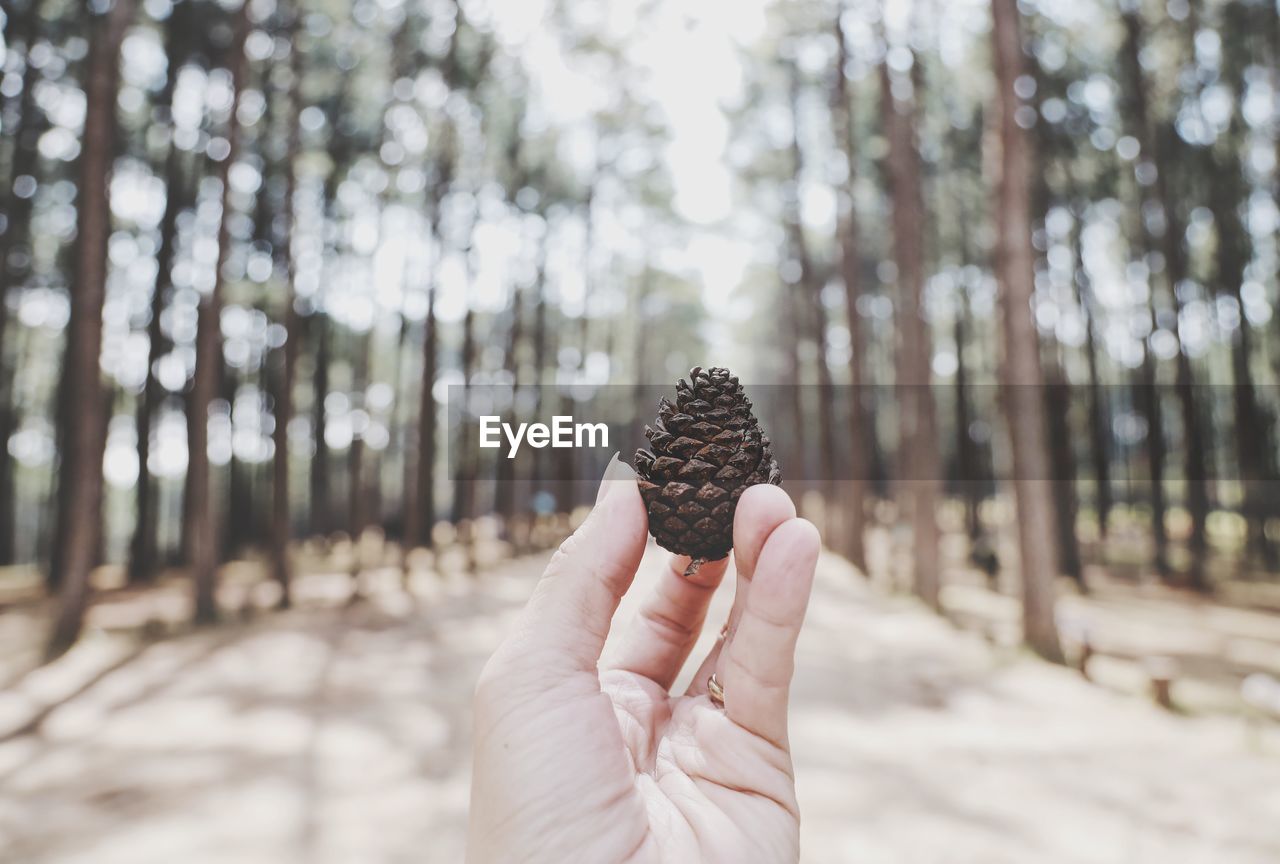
(1000,275)
(1023,255)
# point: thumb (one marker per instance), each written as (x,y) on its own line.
(567,618)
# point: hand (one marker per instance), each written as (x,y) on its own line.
(579,759)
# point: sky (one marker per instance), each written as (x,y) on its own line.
(687,62)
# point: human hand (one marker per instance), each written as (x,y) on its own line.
(584,759)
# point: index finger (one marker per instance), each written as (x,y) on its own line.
(569,613)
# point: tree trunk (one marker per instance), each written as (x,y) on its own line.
(1162,152)
(791,316)
(34,543)
(504,493)
(971,474)
(966,452)
(321,524)
(1149,405)
(15,223)
(420,509)
(142,558)
(394,511)
(463,480)
(322,510)
(467,453)
(1099,415)
(639,349)
(10,420)
(1057,390)
(854,545)
(566,460)
(15,232)
(543,352)
(80,473)
(238,513)
(281,517)
(22,118)
(426,496)
(1022,376)
(357,511)
(204,546)
(919,459)
(813,325)
(1251,444)
(1066,500)
(1228,192)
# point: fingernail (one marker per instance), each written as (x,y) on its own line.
(616,473)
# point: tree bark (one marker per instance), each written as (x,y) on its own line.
(854,545)
(321,523)
(1253,460)
(80,474)
(426,495)
(504,493)
(420,510)
(142,557)
(463,478)
(966,451)
(1099,415)
(357,498)
(24,28)
(1228,191)
(238,516)
(813,324)
(1066,500)
(971,473)
(15,216)
(919,459)
(543,353)
(204,546)
(321,331)
(467,453)
(1148,403)
(282,520)
(1021,371)
(1158,150)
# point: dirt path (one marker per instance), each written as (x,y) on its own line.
(340,734)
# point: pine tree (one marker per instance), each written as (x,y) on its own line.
(919,463)
(842,112)
(1021,374)
(80,474)
(204,546)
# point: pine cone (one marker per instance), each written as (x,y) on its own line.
(707,449)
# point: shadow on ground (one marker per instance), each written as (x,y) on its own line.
(339,732)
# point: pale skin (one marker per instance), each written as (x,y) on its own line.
(591,758)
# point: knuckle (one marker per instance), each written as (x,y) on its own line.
(568,546)
(669,626)
(773,680)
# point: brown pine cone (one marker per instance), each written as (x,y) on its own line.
(707,449)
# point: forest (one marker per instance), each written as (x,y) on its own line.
(1005,273)
(999,275)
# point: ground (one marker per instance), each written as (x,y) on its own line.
(339,732)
